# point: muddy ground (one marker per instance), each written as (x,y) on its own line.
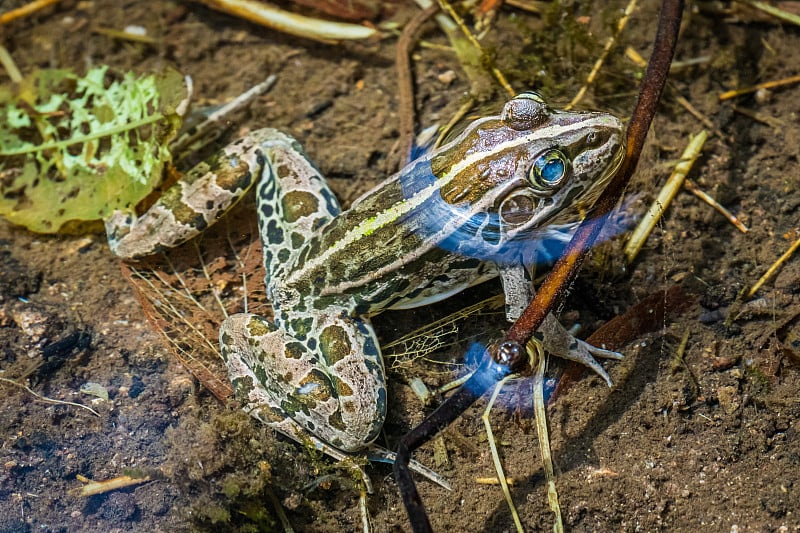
(707,443)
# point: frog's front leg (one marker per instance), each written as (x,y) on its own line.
(330,385)
(555,339)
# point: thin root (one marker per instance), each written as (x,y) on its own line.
(45,399)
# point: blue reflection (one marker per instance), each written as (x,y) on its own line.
(492,373)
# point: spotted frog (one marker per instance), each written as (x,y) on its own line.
(476,208)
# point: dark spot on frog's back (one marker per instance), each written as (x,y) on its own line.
(225,338)
(242,386)
(331,203)
(301,327)
(293,350)
(335,421)
(269,414)
(234,177)
(297,240)
(316,387)
(282,171)
(342,389)
(267,191)
(258,327)
(274,232)
(260,373)
(298,204)
(268,260)
(334,344)
(188,216)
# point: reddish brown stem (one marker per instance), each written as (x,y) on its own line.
(551,291)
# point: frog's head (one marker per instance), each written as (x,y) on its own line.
(512,176)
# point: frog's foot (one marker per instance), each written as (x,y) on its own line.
(376,453)
(559,342)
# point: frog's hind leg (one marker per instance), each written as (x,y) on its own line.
(196,201)
(294,202)
(331,385)
(282,384)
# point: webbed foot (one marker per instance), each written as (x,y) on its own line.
(559,342)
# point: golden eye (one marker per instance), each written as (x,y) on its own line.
(548,171)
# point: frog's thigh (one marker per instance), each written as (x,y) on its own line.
(332,391)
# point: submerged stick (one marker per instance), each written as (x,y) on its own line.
(266,15)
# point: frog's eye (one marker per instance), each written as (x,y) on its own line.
(548,171)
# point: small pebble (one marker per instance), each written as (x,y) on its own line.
(447,77)
(95,389)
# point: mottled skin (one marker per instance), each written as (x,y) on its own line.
(469,211)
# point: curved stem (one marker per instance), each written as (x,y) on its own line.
(561,276)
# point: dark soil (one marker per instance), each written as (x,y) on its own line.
(707,443)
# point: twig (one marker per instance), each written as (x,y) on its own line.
(93,488)
(774,268)
(766,85)
(319,30)
(774,11)
(495,481)
(700,193)
(772,122)
(8,63)
(405,82)
(606,50)
(665,196)
(25,10)
(501,79)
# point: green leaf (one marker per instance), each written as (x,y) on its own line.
(77,148)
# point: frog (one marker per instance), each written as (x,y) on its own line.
(477,208)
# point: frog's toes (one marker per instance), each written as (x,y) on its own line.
(585,353)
